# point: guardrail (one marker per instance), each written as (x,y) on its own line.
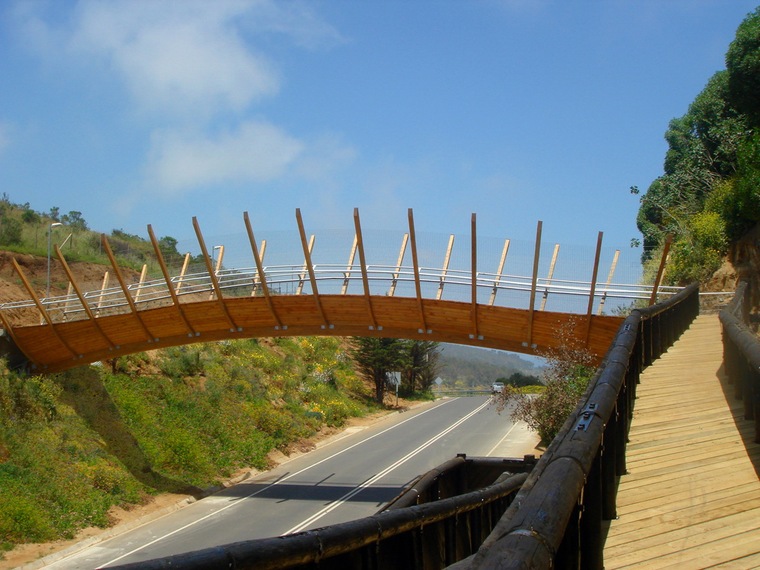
(409,533)
(741,354)
(556,518)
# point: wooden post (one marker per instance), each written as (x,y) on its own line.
(416,267)
(69,291)
(351,257)
(218,266)
(140,285)
(169,286)
(531,309)
(474,278)
(258,259)
(185,263)
(120,278)
(399,263)
(609,280)
(212,276)
(661,269)
(592,290)
(499,271)
(549,276)
(45,315)
(359,243)
(259,273)
(445,268)
(310,268)
(82,299)
(305,270)
(103,288)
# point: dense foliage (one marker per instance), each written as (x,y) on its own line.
(565,378)
(709,194)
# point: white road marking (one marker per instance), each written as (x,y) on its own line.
(338,502)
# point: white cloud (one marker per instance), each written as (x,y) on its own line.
(256,152)
(186,57)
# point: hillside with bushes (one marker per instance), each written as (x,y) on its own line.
(708,198)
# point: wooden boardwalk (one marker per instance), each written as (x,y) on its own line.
(691,498)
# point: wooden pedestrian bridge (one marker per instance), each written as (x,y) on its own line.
(657,467)
(309,294)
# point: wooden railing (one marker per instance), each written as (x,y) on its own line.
(741,354)
(556,518)
(442,517)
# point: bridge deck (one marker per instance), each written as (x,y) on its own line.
(691,498)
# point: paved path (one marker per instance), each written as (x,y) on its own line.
(691,498)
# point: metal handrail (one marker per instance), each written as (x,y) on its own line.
(284,277)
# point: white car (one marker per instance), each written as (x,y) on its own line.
(497,388)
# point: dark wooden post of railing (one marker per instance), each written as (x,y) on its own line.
(741,355)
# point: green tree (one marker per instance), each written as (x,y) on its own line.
(376,358)
(712,165)
(421,368)
(74,220)
(10,230)
(743,65)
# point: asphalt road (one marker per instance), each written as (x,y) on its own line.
(350,477)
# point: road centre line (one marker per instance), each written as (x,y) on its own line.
(338,502)
(277,482)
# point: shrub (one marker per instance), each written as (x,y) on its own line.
(569,367)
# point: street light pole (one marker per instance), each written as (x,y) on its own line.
(50,233)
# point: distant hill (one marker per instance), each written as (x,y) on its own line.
(466,366)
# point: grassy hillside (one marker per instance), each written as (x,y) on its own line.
(75,444)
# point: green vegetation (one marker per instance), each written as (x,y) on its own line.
(709,195)
(565,378)
(24,230)
(75,444)
(416,362)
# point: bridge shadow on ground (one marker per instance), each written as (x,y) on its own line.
(318,491)
(84,391)
(744,426)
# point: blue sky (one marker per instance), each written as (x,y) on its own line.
(138,113)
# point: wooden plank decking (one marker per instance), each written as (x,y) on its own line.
(691,498)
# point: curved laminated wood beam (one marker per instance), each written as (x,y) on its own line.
(359,243)
(169,285)
(260,271)
(212,276)
(81,298)
(310,268)
(416,266)
(150,337)
(41,308)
